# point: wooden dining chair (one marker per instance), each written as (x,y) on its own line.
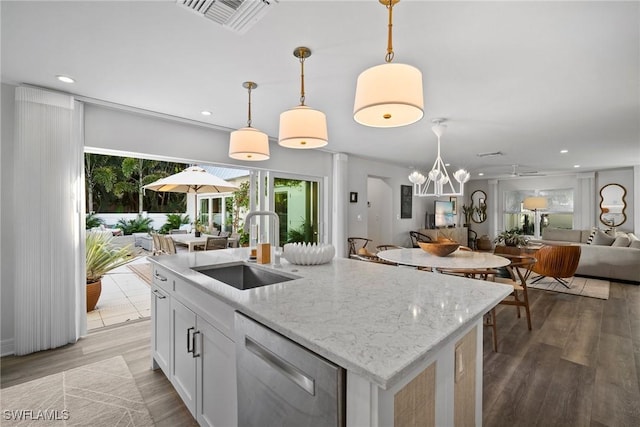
(157,246)
(358,246)
(168,245)
(519,271)
(216,242)
(387,247)
(416,237)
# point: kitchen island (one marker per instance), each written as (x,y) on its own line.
(406,338)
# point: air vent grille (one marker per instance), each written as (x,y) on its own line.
(235,15)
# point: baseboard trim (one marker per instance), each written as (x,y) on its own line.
(6,347)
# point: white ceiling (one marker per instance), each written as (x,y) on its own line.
(524,78)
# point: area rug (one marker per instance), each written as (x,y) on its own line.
(143,270)
(99,395)
(583,286)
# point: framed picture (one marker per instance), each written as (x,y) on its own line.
(454,204)
(353,197)
(406,201)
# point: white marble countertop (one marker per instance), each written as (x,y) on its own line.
(376,320)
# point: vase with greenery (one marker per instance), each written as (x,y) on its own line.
(512,237)
(102,256)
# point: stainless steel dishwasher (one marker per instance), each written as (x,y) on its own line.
(281,383)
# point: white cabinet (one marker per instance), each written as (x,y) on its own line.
(161,329)
(216,378)
(183,356)
(191,342)
(203,369)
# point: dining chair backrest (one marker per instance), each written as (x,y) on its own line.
(216,243)
(357,243)
(224,234)
(418,237)
(169,246)
(157,245)
(387,247)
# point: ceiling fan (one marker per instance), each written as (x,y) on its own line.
(515,172)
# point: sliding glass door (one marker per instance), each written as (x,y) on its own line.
(296,200)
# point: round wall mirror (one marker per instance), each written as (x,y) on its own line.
(612,205)
(479,205)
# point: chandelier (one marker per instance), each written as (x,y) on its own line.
(437,182)
(249,143)
(389,95)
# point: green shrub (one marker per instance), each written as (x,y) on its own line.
(93,221)
(174,221)
(137,225)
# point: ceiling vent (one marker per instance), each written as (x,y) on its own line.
(235,15)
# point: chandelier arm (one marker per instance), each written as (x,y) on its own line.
(389,56)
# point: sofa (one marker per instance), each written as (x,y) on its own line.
(609,255)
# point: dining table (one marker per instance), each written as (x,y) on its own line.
(191,241)
(459,259)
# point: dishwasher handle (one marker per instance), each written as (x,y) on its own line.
(282,366)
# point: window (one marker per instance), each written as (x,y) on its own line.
(559,213)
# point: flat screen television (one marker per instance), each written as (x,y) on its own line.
(444,216)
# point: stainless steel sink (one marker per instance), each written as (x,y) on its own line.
(244,276)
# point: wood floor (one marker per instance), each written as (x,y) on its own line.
(579,366)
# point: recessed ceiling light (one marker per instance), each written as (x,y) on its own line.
(576,166)
(447,164)
(564,151)
(481,174)
(65,79)
(205,113)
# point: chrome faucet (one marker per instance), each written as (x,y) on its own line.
(276,218)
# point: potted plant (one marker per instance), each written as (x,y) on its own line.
(102,256)
(512,238)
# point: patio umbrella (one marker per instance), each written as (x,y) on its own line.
(193,179)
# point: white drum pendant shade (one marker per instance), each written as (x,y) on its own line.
(249,144)
(389,95)
(303,127)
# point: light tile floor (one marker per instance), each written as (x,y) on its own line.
(124,297)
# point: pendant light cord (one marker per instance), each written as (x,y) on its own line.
(389,56)
(302,80)
(249,112)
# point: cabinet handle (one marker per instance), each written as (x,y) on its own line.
(193,344)
(190,340)
(295,375)
(159,294)
(161,277)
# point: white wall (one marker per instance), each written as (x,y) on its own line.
(379,211)
(359,170)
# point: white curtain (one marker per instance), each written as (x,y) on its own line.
(50,307)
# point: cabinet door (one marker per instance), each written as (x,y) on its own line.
(183,364)
(161,332)
(217,398)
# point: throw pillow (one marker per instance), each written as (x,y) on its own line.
(621,242)
(635,244)
(594,230)
(602,238)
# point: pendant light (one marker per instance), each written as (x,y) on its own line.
(301,126)
(389,95)
(249,143)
